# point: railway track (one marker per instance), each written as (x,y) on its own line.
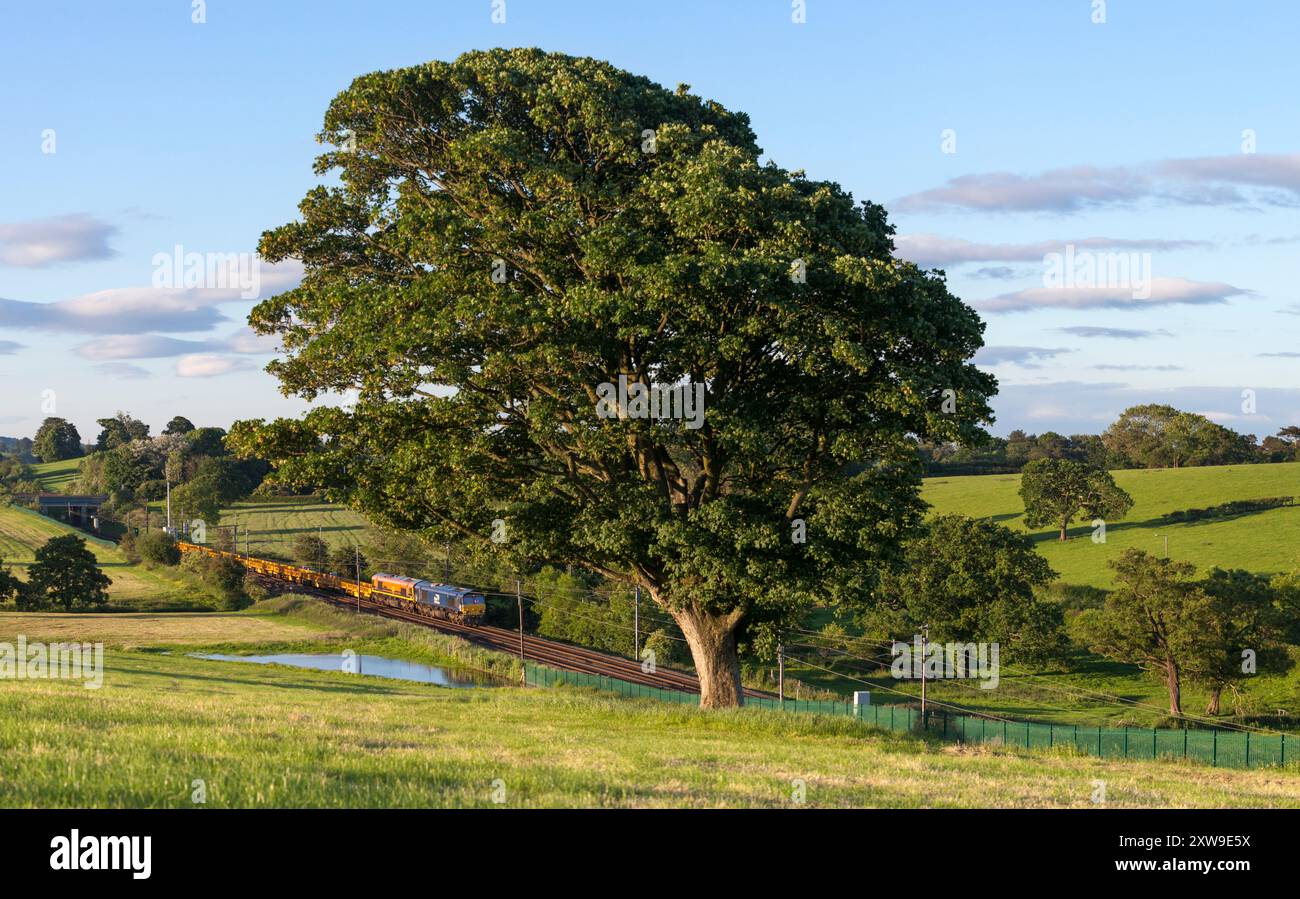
(535,649)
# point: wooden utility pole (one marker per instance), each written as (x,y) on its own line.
(636,625)
(357,549)
(519,601)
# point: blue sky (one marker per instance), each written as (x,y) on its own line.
(1127,136)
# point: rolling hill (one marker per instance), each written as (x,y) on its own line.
(1264,542)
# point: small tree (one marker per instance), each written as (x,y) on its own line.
(1244,618)
(1157,618)
(56,440)
(309,550)
(1056,491)
(179,425)
(10,586)
(156,548)
(970,579)
(344,561)
(65,573)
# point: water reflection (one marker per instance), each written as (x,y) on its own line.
(351,662)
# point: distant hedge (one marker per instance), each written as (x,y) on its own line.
(1226,510)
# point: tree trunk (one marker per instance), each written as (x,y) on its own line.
(1213,707)
(1175,693)
(712,639)
(1065,522)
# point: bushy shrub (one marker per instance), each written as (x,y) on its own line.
(126,546)
(224,577)
(254,590)
(157,548)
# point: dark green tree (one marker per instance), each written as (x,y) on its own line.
(119,430)
(971,580)
(344,561)
(1157,618)
(10,586)
(179,425)
(57,439)
(513,235)
(66,574)
(1246,633)
(310,551)
(1057,491)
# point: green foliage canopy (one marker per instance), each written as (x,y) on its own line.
(512,230)
(1056,491)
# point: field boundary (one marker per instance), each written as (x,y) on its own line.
(1217,748)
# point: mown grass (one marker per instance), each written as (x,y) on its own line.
(270,525)
(1264,542)
(23,531)
(130,629)
(270,736)
(57,477)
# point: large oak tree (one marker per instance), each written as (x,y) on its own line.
(503,234)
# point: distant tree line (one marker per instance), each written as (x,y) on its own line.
(1145,436)
(131,466)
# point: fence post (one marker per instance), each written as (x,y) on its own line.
(1051,735)
(1247,749)
(1214,757)
(1125,741)
(1026,734)
(1099,755)
(1184,739)
(1155,747)
(1004,733)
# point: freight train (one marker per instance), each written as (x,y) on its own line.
(447,601)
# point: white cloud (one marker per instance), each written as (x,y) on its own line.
(1163,292)
(1115,333)
(1016,355)
(136,310)
(37,243)
(209,365)
(123,370)
(1271,179)
(934,251)
(158,346)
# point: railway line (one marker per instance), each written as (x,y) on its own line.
(535,649)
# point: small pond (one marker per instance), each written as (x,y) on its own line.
(376,666)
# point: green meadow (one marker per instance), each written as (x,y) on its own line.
(23,531)
(1264,542)
(162,726)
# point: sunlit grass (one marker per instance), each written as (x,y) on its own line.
(268,736)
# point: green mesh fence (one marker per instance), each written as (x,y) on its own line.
(1224,748)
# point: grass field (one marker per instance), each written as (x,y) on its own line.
(1263,542)
(272,524)
(1092,690)
(22,532)
(57,477)
(161,722)
(130,629)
